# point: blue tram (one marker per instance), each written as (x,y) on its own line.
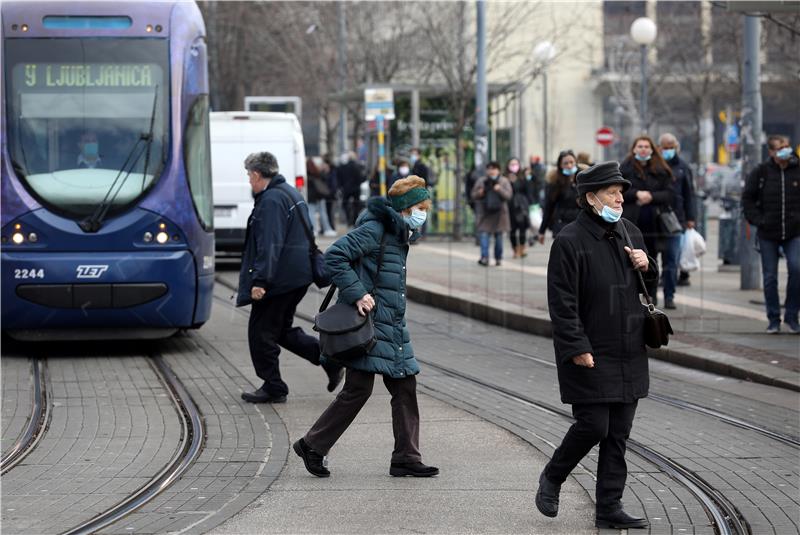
(106,228)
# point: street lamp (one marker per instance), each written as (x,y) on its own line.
(544,52)
(643,31)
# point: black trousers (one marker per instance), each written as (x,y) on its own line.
(270,326)
(608,424)
(354,395)
(518,232)
(352,206)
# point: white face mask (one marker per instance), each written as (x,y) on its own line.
(403,170)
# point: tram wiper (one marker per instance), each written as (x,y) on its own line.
(94,222)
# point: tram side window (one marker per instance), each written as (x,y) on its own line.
(197,157)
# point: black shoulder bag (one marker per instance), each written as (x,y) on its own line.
(656,324)
(344,334)
(318,271)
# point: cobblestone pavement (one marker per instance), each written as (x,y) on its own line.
(113,426)
(15,375)
(758,474)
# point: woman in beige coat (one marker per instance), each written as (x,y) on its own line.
(491,194)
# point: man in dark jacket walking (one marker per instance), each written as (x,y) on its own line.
(350,176)
(274,277)
(771,202)
(598,335)
(684,208)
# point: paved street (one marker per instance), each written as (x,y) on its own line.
(491,418)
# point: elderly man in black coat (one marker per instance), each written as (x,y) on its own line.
(598,334)
(274,276)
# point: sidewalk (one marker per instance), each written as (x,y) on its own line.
(718,327)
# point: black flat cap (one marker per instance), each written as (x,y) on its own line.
(600,176)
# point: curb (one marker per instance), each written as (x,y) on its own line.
(538,323)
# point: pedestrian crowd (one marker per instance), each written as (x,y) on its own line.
(610,222)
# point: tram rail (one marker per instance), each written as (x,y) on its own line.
(192,433)
(37,421)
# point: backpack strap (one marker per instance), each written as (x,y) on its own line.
(312,243)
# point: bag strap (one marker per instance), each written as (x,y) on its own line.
(332,289)
(312,243)
(639,273)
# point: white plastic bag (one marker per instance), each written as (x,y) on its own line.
(535,215)
(693,246)
(698,243)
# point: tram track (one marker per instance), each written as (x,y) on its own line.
(723,515)
(192,433)
(37,421)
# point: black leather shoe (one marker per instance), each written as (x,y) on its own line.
(669,304)
(261,396)
(618,519)
(335,376)
(412,469)
(547,497)
(312,459)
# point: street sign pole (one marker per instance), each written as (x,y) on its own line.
(381,155)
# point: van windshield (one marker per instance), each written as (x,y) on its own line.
(78,109)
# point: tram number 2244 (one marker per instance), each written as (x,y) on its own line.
(29,273)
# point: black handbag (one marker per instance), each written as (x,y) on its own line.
(344,334)
(319,273)
(656,324)
(669,223)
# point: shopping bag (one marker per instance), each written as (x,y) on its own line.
(535,213)
(689,260)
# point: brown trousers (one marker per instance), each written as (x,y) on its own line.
(355,393)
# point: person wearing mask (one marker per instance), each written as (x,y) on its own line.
(350,176)
(518,207)
(275,275)
(538,172)
(491,194)
(419,169)
(403,170)
(598,336)
(651,193)
(771,203)
(375,253)
(560,196)
(683,204)
(89,151)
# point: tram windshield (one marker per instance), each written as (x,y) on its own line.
(87,119)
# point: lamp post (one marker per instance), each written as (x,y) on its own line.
(544,52)
(643,31)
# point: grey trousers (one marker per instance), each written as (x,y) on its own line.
(355,393)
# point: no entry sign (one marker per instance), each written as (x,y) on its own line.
(604,136)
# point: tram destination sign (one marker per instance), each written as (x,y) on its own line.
(86,75)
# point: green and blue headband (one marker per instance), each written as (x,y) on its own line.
(409,198)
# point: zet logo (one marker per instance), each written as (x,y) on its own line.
(91,272)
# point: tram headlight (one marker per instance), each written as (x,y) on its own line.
(18,238)
(162,237)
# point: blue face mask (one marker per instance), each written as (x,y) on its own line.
(642,158)
(416,219)
(413,158)
(784,154)
(668,154)
(571,171)
(608,214)
(90,150)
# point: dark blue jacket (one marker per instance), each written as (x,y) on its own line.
(683,199)
(353,263)
(275,253)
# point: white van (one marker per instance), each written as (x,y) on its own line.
(235,135)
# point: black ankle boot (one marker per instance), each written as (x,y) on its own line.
(618,519)
(547,497)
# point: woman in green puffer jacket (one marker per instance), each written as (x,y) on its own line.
(352,260)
